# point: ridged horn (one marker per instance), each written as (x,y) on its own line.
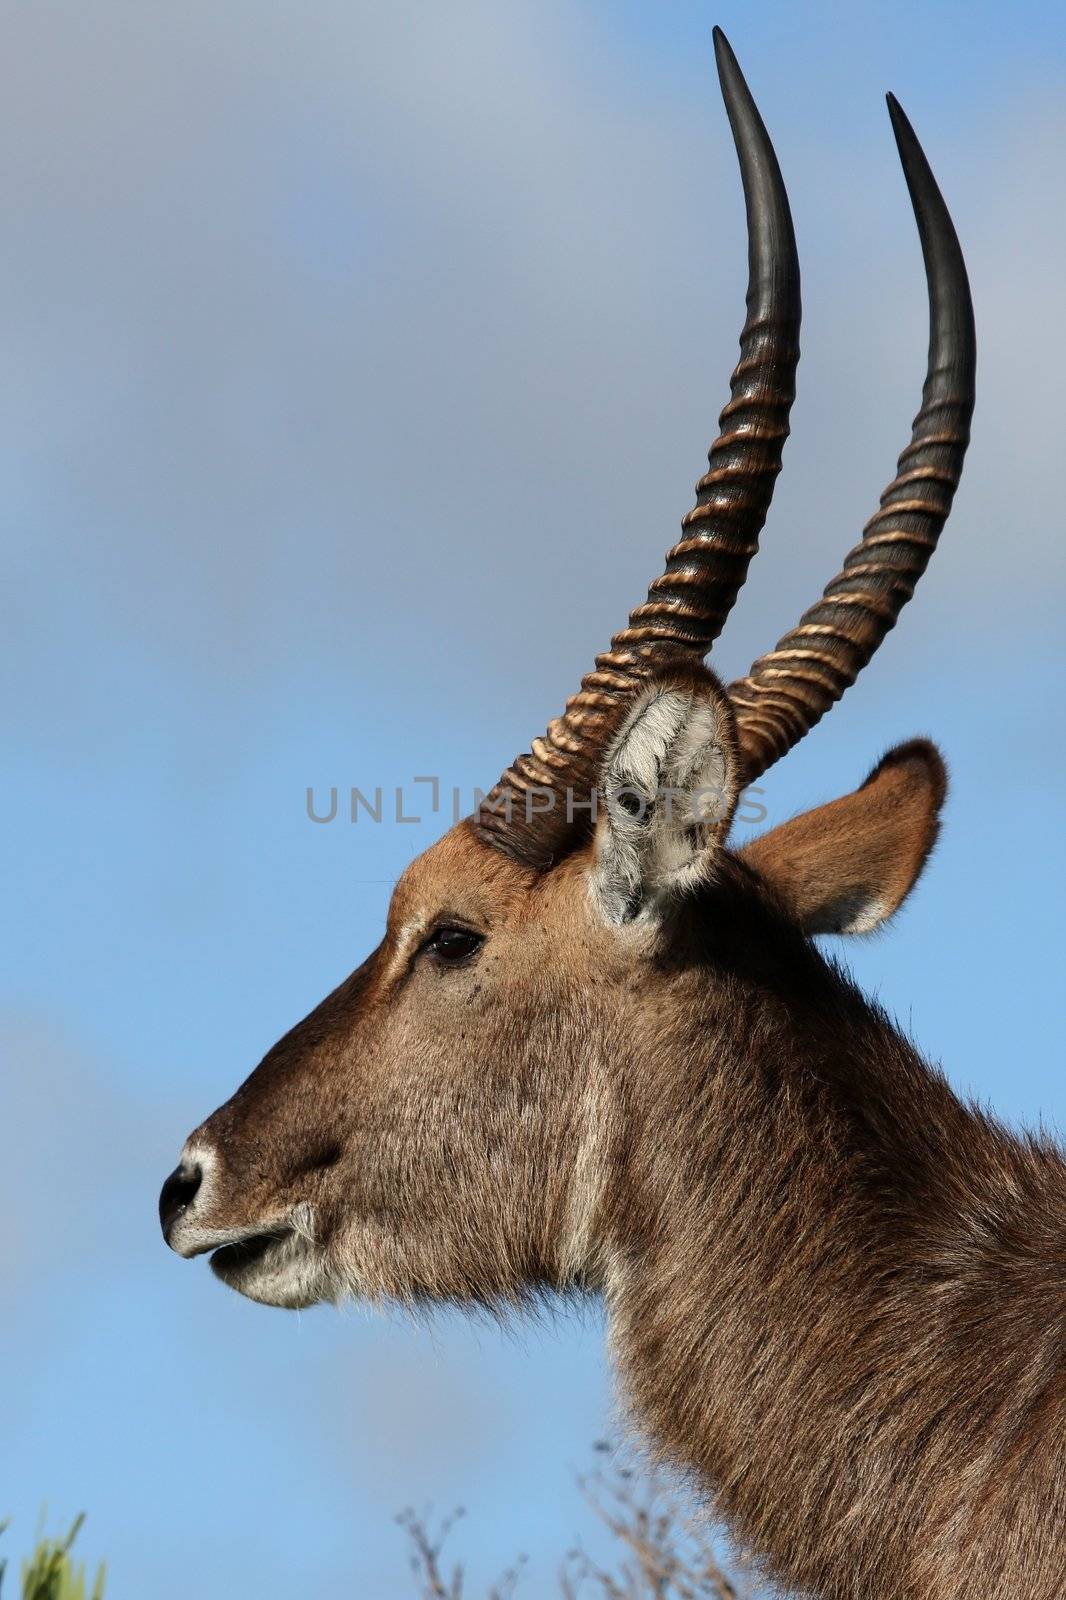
(530,813)
(790,689)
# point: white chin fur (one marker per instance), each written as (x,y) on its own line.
(289,1273)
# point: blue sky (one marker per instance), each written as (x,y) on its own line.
(359,364)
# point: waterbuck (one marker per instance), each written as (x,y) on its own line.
(598,1051)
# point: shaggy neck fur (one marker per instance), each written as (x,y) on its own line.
(838,1295)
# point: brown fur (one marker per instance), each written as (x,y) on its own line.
(837,1295)
(849,1316)
(881,837)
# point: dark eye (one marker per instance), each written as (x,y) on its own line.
(452,945)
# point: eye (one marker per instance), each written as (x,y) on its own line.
(451,945)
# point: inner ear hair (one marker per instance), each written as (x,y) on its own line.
(668,788)
(848,866)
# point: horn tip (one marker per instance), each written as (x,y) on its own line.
(896,111)
(906,138)
(723,52)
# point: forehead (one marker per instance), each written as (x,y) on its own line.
(464,876)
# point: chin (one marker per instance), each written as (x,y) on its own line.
(276,1269)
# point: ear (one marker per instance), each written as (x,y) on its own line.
(849,865)
(668,788)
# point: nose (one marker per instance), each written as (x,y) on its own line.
(178,1194)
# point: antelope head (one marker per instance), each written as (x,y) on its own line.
(461,1118)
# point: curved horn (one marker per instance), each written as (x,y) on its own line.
(788,690)
(530,812)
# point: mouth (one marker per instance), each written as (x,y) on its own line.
(277,1267)
(230,1261)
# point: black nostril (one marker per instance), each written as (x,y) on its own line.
(177,1194)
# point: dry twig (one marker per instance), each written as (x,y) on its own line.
(665,1550)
